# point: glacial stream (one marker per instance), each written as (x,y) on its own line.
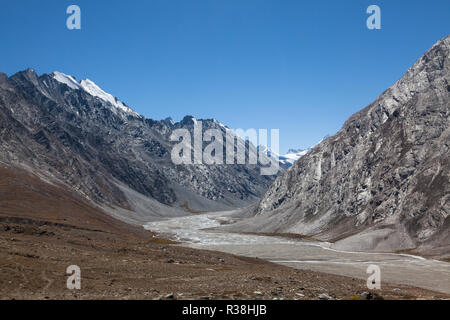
(197,231)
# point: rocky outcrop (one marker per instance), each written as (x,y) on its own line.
(382,182)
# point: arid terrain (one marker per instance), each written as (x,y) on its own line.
(34,257)
(38,241)
(209,232)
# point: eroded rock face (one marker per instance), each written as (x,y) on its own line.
(53,127)
(385,173)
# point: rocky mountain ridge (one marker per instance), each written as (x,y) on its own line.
(75,134)
(382,182)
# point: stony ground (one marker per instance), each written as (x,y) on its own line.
(44,228)
(34,256)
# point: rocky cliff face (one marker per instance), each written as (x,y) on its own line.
(382,182)
(77,135)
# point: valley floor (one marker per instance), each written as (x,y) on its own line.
(203,232)
(34,256)
(45,228)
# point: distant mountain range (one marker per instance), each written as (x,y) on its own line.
(81,138)
(292,156)
(381,183)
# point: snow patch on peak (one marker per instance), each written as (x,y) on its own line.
(94,90)
(296,150)
(66,79)
(292,156)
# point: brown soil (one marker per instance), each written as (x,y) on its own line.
(44,229)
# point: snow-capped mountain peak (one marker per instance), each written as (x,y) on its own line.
(94,90)
(296,151)
(292,156)
(66,79)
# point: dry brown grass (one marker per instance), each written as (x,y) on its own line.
(45,228)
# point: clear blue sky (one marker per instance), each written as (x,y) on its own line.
(301,66)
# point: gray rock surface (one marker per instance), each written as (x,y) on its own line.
(382,182)
(113,156)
